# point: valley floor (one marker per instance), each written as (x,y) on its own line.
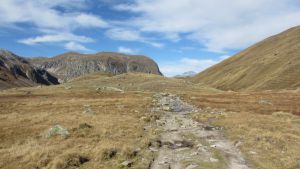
(129,121)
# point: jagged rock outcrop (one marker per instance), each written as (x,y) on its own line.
(16,71)
(71,65)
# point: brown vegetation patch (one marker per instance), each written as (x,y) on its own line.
(266,131)
(257,102)
(116,123)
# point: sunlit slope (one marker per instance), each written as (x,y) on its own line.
(271,64)
(138,82)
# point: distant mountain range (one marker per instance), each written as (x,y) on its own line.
(271,64)
(186,74)
(16,71)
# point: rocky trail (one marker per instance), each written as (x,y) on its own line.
(187,144)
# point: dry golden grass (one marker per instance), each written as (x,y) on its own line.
(271,64)
(265,102)
(26,114)
(270,134)
(106,127)
(111,129)
(268,141)
(140,82)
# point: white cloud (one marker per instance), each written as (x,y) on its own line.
(196,62)
(74,46)
(126,50)
(219,25)
(188,64)
(215,24)
(44,16)
(87,20)
(68,4)
(124,34)
(184,65)
(223,57)
(61,37)
(155,44)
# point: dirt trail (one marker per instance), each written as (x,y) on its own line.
(187,144)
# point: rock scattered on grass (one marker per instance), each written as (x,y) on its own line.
(127,163)
(192,166)
(265,102)
(208,128)
(108,88)
(153,149)
(213,146)
(214,160)
(88,110)
(58,130)
(68,87)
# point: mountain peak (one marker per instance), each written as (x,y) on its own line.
(187,74)
(5,52)
(71,65)
(16,71)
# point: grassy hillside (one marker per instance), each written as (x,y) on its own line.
(271,64)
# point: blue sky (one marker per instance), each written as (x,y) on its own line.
(180,35)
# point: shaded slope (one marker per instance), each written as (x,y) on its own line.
(70,65)
(271,64)
(16,71)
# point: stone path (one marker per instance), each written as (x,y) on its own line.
(187,144)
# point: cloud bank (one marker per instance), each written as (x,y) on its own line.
(53,24)
(218,25)
(186,64)
(126,50)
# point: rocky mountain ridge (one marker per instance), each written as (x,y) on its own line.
(71,65)
(16,71)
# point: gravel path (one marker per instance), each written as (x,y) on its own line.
(187,144)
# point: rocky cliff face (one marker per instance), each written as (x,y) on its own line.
(16,71)
(71,65)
